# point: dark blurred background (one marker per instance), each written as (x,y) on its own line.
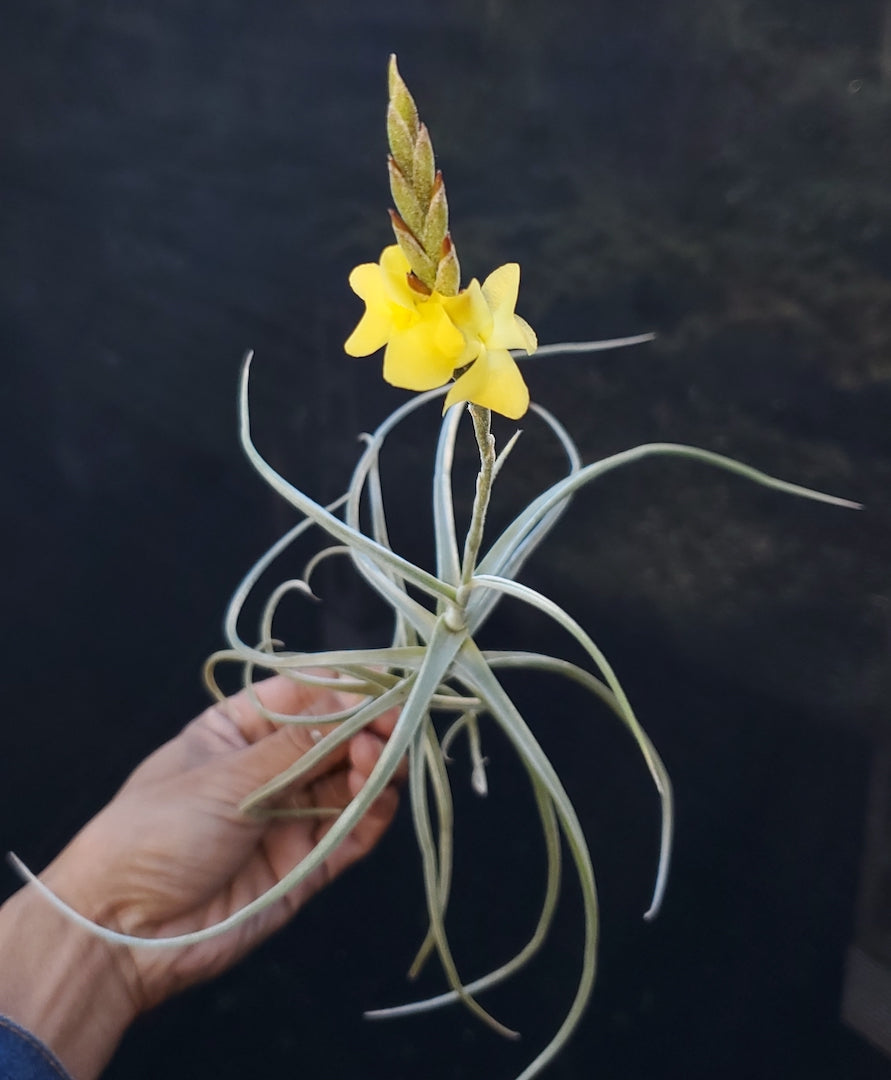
(179,182)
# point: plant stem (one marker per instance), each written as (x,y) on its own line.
(482,422)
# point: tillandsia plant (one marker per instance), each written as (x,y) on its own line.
(440,339)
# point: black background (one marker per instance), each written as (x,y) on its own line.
(179,182)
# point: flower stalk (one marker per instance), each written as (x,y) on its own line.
(455,615)
(482,428)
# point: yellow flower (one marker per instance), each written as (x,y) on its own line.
(485,315)
(423,345)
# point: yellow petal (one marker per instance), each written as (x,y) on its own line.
(447,338)
(423,356)
(470,312)
(525,334)
(500,289)
(494,382)
(370,335)
(389,302)
(394,268)
(393,260)
(367,282)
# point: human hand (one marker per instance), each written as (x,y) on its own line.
(172,853)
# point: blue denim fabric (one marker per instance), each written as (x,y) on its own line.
(22,1057)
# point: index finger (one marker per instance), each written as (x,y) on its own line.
(280,694)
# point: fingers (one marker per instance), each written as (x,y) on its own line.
(365,751)
(336,781)
(235,723)
(274,748)
(385,723)
(286,842)
(239,750)
(278,694)
(266,759)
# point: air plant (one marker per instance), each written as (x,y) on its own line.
(463,343)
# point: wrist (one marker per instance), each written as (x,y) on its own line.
(61,983)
